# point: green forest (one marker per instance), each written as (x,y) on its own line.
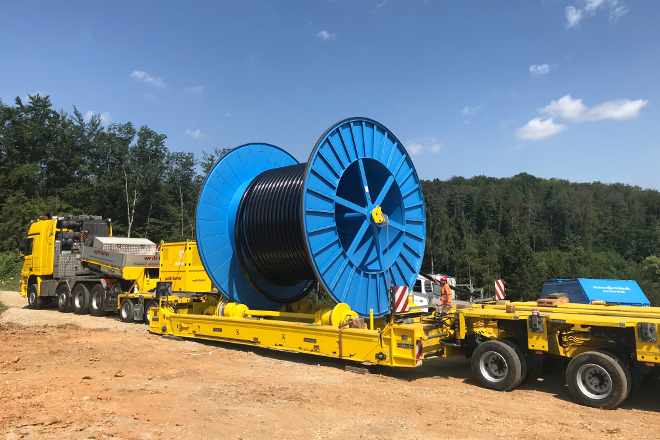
(523,229)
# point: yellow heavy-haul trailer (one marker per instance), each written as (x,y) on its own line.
(180,271)
(610,349)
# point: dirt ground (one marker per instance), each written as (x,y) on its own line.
(65,376)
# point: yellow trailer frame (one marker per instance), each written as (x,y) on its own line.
(310,329)
(532,333)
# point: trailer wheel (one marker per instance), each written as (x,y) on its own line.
(152,304)
(63,298)
(34,300)
(80,299)
(497,365)
(127,311)
(96,300)
(524,364)
(598,379)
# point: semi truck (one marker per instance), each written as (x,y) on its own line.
(76,262)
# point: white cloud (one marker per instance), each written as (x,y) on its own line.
(618,12)
(378,6)
(537,129)
(621,109)
(539,69)
(573,16)
(106,117)
(419,145)
(592,5)
(145,77)
(575,111)
(326,36)
(470,110)
(195,90)
(196,134)
(228,114)
(566,108)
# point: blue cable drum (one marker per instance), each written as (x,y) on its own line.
(356,166)
(217,207)
(267,226)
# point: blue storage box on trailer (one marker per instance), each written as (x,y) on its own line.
(584,290)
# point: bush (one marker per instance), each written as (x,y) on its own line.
(10,270)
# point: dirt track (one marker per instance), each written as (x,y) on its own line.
(66,381)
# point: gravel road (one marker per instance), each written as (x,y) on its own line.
(19,313)
(73,379)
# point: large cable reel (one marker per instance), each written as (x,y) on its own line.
(269,227)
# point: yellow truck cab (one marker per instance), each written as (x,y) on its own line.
(38,251)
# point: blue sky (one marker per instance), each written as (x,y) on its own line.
(565,89)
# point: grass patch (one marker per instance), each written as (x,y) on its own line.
(2,307)
(10,270)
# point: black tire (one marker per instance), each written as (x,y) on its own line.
(598,379)
(96,296)
(151,304)
(626,366)
(497,365)
(523,360)
(127,311)
(34,300)
(80,296)
(63,298)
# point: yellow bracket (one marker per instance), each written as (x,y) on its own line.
(377,215)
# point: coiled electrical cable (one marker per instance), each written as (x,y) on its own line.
(269,231)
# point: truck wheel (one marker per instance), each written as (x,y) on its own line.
(96,296)
(34,300)
(497,365)
(151,304)
(80,299)
(63,298)
(127,311)
(598,379)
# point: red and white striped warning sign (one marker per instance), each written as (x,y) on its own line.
(419,349)
(499,289)
(401,299)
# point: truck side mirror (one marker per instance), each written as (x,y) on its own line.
(21,246)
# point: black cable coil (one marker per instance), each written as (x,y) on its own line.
(269,230)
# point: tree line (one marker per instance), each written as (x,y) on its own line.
(522,229)
(525,229)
